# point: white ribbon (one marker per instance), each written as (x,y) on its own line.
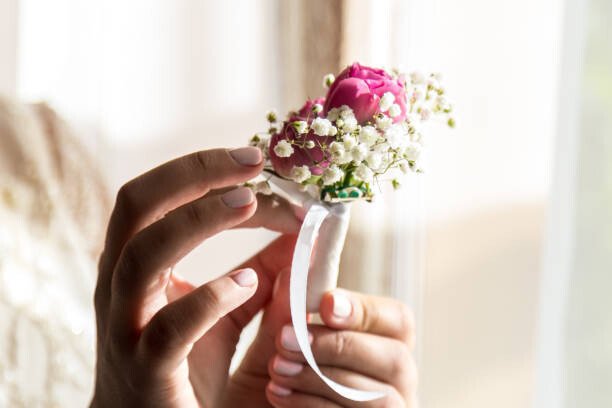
(298,296)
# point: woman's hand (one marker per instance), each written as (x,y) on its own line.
(367,343)
(162,342)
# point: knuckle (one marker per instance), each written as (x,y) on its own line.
(210,301)
(125,202)
(129,267)
(194,214)
(203,161)
(393,399)
(342,342)
(370,317)
(161,334)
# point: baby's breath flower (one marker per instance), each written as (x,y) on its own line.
(321,126)
(383,122)
(396,136)
(368,135)
(413,151)
(364,173)
(346,112)
(404,166)
(425,114)
(271,116)
(336,149)
(316,108)
(386,101)
(300,126)
(299,174)
(417,78)
(394,110)
(332,175)
(328,80)
(432,83)
(333,114)
(417,96)
(374,159)
(333,131)
(310,144)
(359,152)
(350,124)
(344,158)
(283,149)
(349,142)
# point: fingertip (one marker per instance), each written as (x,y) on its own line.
(239,197)
(336,309)
(246,278)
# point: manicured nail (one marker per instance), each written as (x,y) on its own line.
(289,339)
(245,278)
(282,366)
(239,197)
(278,390)
(247,156)
(342,305)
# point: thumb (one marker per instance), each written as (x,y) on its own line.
(275,316)
(169,336)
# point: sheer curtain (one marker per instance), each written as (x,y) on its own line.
(575,357)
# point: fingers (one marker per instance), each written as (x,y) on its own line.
(281,397)
(269,265)
(385,359)
(141,273)
(277,314)
(342,309)
(168,337)
(150,196)
(275,213)
(302,379)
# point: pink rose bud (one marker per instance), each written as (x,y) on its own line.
(309,155)
(361,88)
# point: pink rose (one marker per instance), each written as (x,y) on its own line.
(361,88)
(300,156)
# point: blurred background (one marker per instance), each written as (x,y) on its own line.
(503,247)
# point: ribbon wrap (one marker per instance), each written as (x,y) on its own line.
(324,277)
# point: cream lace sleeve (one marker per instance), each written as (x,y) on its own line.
(52,208)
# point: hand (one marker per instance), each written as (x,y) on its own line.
(367,343)
(162,342)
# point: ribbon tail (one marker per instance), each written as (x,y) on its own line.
(297,299)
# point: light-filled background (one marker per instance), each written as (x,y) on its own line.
(503,246)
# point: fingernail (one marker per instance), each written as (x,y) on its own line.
(246,156)
(245,278)
(239,197)
(278,390)
(342,305)
(289,339)
(282,366)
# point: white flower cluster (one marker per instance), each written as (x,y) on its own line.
(356,155)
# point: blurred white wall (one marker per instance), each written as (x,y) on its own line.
(8,46)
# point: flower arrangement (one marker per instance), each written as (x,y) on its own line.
(366,130)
